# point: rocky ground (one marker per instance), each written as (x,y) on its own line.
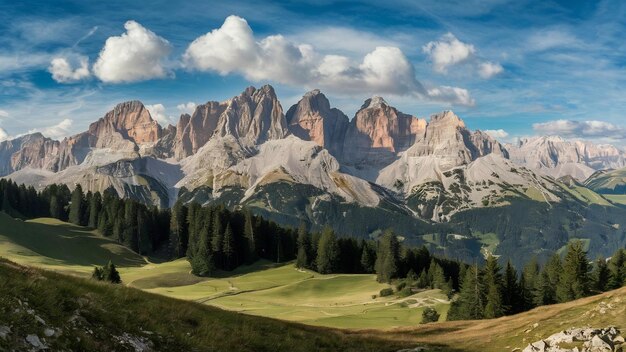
(580,340)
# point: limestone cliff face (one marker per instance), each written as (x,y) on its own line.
(253,117)
(312,119)
(447,138)
(558,157)
(378,132)
(131,120)
(33,150)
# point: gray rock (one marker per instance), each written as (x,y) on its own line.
(35,342)
(49,332)
(4,332)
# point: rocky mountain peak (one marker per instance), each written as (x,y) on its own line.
(447,117)
(374,102)
(313,119)
(131,119)
(379,131)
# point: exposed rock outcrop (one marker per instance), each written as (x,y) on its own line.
(312,119)
(32,150)
(379,132)
(592,340)
(557,157)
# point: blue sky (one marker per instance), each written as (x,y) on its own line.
(522,67)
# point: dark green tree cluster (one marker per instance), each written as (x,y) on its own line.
(490,292)
(107,273)
(25,202)
(215,238)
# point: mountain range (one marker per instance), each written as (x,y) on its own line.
(434,181)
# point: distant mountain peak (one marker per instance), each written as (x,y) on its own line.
(374,102)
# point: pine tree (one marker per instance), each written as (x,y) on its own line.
(248,234)
(327,252)
(368,258)
(601,276)
(470,303)
(617,269)
(423,281)
(387,257)
(492,278)
(77,206)
(228,247)
(304,248)
(110,273)
(179,234)
(97,274)
(547,282)
(574,280)
(511,299)
(202,263)
(95,210)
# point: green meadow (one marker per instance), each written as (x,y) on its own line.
(263,289)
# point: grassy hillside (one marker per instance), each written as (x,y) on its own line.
(80,314)
(265,289)
(507,333)
(70,313)
(57,245)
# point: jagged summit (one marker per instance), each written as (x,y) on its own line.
(374,103)
(313,119)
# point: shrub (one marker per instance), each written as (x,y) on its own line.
(429,315)
(386,292)
(405,292)
(400,286)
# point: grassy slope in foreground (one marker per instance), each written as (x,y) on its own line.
(91,316)
(265,289)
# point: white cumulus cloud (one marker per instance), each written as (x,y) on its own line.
(500,133)
(139,54)
(489,69)
(232,48)
(188,107)
(157,111)
(60,130)
(64,72)
(448,51)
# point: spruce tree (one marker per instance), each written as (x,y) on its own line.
(387,257)
(327,252)
(179,234)
(110,273)
(202,262)
(248,234)
(228,248)
(304,248)
(617,270)
(95,210)
(511,299)
(470,302)
(492,279)
(574,280)
(77,206)
(368,258)
(601,276)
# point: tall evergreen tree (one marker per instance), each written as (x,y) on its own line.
(470,302)
(327,252)
(601,276)
(387,257)
(617,270)
(511,292)
(248,234)
(228,248)
(304,248)
(110,273)
(574,281)
(95,210)
(492,279)
(77,206)
(179,235)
